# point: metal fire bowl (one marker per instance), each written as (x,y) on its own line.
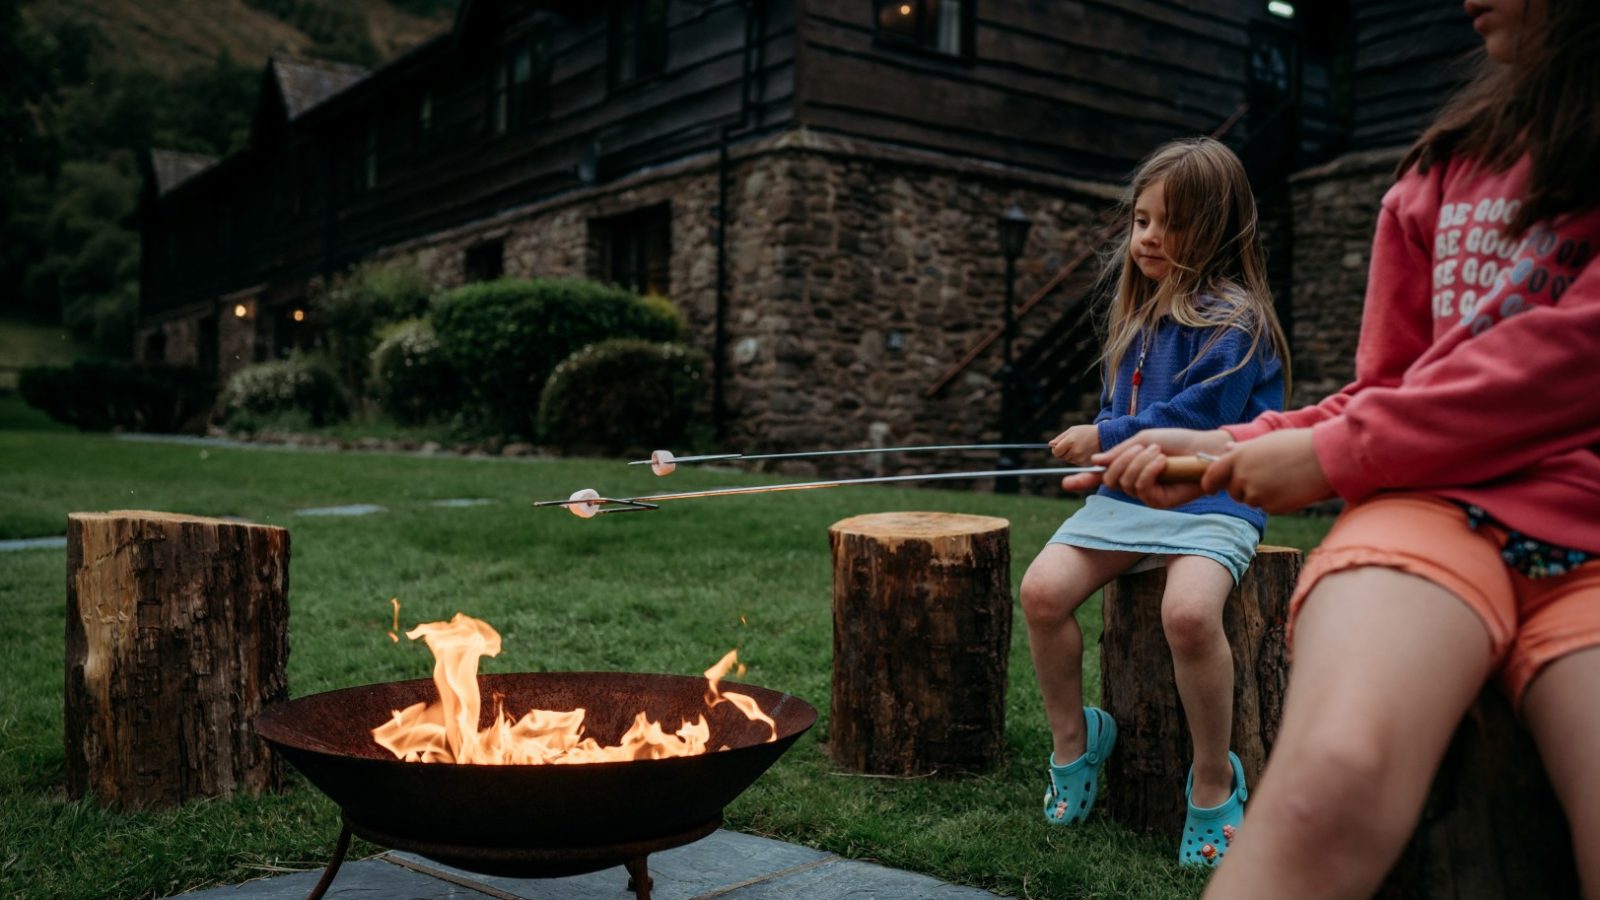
(577,812)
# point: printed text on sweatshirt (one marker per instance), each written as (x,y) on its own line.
(1478,370)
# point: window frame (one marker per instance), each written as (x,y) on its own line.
(648,24)
(926,39)
(637,243)
(516,103)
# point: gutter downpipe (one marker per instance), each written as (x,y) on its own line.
(754,25)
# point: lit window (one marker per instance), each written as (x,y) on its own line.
(1281,9)
(943,26)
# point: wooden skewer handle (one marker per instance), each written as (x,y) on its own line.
(1183,469)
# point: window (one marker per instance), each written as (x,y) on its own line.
(942,26)
(636,250)
(519,86)
(637,42)
(422,137)
(484,261)
(369,165)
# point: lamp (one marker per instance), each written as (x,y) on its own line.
(1014,227)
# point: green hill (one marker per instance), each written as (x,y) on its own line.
(172,36)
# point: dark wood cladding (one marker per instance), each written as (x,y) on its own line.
(1080,87)
(299,202)
(1410,55)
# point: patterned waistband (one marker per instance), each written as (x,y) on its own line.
(1529,555)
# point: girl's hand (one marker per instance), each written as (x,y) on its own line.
(1172,441)
(1075,445)
(1135,470)
(1277,471)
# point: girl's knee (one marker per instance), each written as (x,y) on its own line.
(1189,626)
(1047,600)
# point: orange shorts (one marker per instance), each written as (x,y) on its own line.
(1531,622)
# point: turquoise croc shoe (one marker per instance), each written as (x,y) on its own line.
(1208,832)
(1073,786)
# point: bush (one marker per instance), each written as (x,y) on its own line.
(299,384)
(354,309)
(623,396)
(504,337)
(411,379)
(96,395)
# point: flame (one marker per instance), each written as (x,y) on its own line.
(447,731)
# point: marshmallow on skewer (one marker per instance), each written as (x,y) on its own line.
(662,462)
(584,504)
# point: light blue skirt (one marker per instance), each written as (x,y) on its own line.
(1107,524)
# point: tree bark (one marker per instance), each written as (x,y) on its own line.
(1492,826)
(1146,773)
(921,638)
(177,635)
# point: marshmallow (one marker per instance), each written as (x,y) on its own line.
(662,462)
(590,505)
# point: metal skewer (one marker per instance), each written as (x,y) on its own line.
(588,503)
(662,462)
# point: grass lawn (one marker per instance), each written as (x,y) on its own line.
(668,591)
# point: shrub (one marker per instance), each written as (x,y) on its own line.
(504,337)
(623,396)
(298,384)
(96,395)
(411,379)
(353,309)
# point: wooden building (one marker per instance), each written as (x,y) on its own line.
(816,183)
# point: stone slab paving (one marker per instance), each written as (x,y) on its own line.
(723,866)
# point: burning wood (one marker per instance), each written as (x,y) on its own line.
(447,730)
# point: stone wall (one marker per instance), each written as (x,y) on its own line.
(861,275)
(1335,213)
(856,276)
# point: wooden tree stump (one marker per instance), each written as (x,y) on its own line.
(1146,772)
(1492,826)
(921,637)
(177,635)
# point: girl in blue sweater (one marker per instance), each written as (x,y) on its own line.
(1192,341)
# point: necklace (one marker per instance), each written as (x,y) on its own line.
(1138,374)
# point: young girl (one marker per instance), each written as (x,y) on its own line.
(1466,450)
(1192,341)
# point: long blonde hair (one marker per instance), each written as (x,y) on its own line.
(1218,273)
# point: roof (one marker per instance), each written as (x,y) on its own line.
(173,167)
(306,82)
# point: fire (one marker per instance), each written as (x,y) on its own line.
(447,731)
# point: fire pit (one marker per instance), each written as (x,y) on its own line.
(533,821)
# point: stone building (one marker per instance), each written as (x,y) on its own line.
(816,183)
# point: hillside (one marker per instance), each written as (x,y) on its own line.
(172,36)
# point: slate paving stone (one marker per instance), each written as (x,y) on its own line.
(725,865)
(721,859)
(369,879)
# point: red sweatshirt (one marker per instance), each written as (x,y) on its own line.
(1478,370)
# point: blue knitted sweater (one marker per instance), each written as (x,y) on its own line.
(1168,399)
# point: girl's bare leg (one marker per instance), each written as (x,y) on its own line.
(1202,663)
(1385,664)
(1561,711)
(1056,584)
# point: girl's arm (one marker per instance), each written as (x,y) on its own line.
(1204,404)
(1477,408)
(1397,320)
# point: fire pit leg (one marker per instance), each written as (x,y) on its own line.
(638,878)
(339,850)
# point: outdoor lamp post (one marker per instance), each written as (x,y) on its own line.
(1013,235)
